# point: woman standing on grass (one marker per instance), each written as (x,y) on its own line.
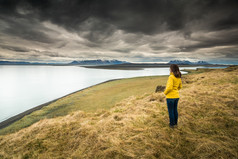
(174,84)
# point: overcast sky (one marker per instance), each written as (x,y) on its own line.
(129,30)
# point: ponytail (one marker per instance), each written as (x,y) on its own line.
(175,69)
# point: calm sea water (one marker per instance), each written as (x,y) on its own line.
(24,87)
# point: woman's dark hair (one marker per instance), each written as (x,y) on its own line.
(175,69)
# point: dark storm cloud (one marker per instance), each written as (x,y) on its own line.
(47,53)
(14,48)
(158,47)
(62,45)
(26,28)
(145,16)
(99,30)
(32,53)
(222,38)
(124,50)
(97,21)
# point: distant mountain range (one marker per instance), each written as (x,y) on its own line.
(186,62)
(83,62)
(97,62)
(102,62)
(22,63)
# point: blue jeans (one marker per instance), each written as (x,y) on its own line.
(172,104)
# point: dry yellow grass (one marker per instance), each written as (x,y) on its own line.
(137,127)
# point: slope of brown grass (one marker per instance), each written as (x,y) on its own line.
(137,127)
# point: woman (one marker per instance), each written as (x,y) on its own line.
(174,84)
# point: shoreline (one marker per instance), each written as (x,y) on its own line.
(143,66)
(12,119)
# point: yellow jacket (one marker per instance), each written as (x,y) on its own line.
(173,85)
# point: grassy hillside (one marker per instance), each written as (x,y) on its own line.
(137,126)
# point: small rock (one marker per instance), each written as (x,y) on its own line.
(117,118)
(159,89)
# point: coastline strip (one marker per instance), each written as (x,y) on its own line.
(11,120)
(143,66)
